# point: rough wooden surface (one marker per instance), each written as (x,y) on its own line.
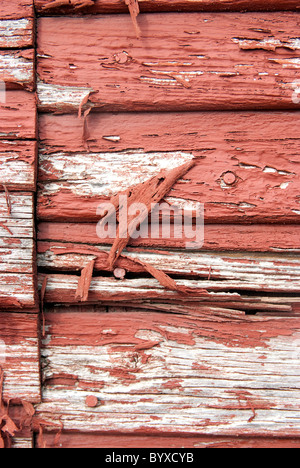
(172,374)
(72,185)
(18,116)
(46,7)
(15,9)
(17,69)
(62,288)
(18,165)
(217,237)
(259,271)
(194,62)
(20,356)
(17,251)
(16,33)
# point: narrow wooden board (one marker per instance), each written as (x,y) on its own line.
(46,7)
(17,251)
(217,237)
(196,61)
(18,165)
(258,270)
(20,356)
(15,9)
(170,374)
(248,137)
(73,185)
(16,34)
(110,441)
(61,288)
(17,69)
(18,116)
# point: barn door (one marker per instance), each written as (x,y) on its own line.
(174,321)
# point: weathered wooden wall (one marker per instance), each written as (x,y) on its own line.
(138,364)
(19,323)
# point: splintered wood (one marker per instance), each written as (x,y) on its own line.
(147,194)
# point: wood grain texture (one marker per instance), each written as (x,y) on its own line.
(61,288)
(259,271)
(217,237)
(16,34)
(18,116)
(170,374)
(259,148)
(18,165)
(46,7)
(16,9)
(90,440)
(20,356)
(17,69)
(17,252)
(194,62)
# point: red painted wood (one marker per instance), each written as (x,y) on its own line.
(194,62)
(257,148)
(17,69)
(84,440)
(222,237)
(20,358)
(156,374)
(18,116)
(14,9)
(18,165)
(45,7)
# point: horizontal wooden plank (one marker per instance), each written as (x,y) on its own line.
(250,137)
(18,118)
(217,237)
(258,271)
(17,69)
(18,165)
(17,251)
(61,288)
(15,9)
(45,7)
(156,373)
(19,354)
(16,33)
(89,440)
(256,148)
(196,61)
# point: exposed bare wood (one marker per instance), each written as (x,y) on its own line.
(19,355)
(46,7)
(18,164)
(62,288)
(217,237)
(18,116)
(16,33)
(259,269)
(17,252)
(17,69)
(195,62)
(72,185)
(157,373)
